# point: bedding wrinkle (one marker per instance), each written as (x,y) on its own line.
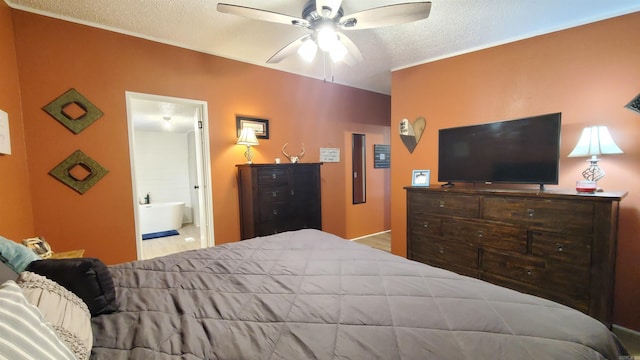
(300,344)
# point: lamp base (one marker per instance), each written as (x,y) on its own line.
(593,172)
(248,154)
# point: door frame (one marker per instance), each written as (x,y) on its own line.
(201,123)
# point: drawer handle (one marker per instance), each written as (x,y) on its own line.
(441,251)
(441,203)
(560,247)
(293,192)
(530,212)
(480,233)
(529,272)
(275,211)
(426,224)
(273,176)
(274,193)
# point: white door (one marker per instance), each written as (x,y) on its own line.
(171,120)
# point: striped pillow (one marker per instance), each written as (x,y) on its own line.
(24,333)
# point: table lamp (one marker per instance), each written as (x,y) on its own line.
(594,141)
(248,138)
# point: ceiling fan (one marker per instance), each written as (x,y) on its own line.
(324,18)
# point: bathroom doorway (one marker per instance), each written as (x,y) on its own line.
(171,177)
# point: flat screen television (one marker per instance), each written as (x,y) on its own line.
(521,151)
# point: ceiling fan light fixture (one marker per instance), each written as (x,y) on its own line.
(338,52)
(308,50)
(324,18)
(327,38)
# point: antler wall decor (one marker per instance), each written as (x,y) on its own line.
(293,158)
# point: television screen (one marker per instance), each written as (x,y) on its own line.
(523,151)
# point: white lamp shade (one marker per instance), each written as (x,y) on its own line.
(308,50)
(247,137)
(595,140)
(338,52)
(327,38)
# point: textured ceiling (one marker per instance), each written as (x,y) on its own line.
(453,27)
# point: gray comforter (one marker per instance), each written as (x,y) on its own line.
(311,295)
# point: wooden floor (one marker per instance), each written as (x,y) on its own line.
(380,241)
(630,339)
(188,239)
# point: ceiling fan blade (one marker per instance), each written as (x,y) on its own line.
(263,15)
(332,6)
(288,50)
(354,56)
(386,15)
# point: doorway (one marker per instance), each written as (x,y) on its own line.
(169,153)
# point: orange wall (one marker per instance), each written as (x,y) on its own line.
(55,55)
(16,216)
(588,73)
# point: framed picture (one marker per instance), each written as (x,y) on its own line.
(381,156)
(5,135)
(260,126)
(420,177)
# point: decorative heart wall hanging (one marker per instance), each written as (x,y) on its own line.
(410,134)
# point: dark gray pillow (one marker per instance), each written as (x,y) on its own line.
(88,278)
(6,273)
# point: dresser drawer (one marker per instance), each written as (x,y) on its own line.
(273,176)
(272,194)
(422,225)
(576,301)
(447,204)
(272,227)
(522,268)
(485,233)
(566,216)
(446,253)
(562,247)
(274,211)
(548,276)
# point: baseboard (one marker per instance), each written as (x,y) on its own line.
(365,236)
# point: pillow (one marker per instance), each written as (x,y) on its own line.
(66,313)
(88,278)
(6,273)
(16,256)
(24,332)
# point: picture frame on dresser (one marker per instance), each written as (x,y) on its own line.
(420,177)
(259,126)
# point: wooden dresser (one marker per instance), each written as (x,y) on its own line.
(553,244)
(276,198)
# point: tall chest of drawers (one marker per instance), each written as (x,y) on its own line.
(553,244)
(276,198)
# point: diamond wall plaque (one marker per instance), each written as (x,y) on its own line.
(634,104)
(73,110)
(79,172)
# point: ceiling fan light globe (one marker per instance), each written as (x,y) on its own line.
(308,50)
(327,37)
(338,52)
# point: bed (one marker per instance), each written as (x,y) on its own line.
(310,295)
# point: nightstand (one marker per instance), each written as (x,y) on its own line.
(68,254)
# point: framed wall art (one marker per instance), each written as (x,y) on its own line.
(420,177)
(381,156)
(5,134)
(259,126)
